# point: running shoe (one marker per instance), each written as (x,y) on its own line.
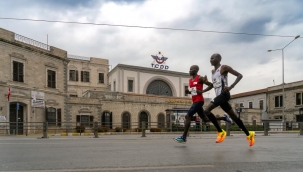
(180,139)
(226,118)
(251,138)
(221,136)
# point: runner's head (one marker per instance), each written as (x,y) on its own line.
(193,70)
(215,59)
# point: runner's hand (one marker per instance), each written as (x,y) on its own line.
(227,89)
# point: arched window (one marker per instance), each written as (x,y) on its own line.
(143,117)
(159,87)
(107,119)
(161,120)
(126,120)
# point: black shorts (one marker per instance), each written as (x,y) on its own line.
(222,101)
(196,107)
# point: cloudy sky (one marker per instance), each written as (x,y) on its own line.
(134,46)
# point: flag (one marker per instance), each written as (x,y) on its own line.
(9,93)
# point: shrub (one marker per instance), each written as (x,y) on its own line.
(155,130)
(80,129)
(119,129)
(103,129)
(138,129)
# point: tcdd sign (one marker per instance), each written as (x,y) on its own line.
(159,62)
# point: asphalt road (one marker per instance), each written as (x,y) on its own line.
(154,153)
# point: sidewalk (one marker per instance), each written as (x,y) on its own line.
(148,133)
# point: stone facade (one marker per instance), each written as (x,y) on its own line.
(24,68)
(291,108)
(94,66)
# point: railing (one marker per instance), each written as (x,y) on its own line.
(29,41)
(78,57)
(91,128)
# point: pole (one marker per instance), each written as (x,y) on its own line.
(34,120)
(283,116)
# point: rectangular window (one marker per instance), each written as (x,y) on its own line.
(241,105)
(261,104)
(85,120)
(18,73)
(278,101)
(73,75)
(185,88)
(51,79)
(51,116)
(84,76)
(298,98)
(250,105)
(73,95)
(101,78)
(130,85)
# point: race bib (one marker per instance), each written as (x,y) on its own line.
(217,82)
(193,91)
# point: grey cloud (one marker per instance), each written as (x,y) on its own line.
(253,25)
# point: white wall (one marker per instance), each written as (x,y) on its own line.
(254,98)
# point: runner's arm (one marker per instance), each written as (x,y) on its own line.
(228,69)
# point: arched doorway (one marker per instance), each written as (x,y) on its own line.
(126,120)
(16,111)
(159,87)
(161,120)
(143,116)
(107,119)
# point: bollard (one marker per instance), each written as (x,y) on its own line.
(301,128)
(44,130)
(227,128)
(143,129)
(96,130)
(266,128)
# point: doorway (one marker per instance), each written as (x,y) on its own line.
(16,109)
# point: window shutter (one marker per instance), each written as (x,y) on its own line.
(78,118)
(91,118)
(77,77)
(81,76)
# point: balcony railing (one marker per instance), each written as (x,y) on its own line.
(32,42)
(78,57)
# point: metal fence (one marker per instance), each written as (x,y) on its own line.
(45,128)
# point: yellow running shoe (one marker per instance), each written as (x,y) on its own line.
(251,138)
(221,136)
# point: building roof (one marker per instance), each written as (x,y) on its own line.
(249,93)
(148,70)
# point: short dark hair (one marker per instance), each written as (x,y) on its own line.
(217,55)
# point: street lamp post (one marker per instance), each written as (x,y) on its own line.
(283,115)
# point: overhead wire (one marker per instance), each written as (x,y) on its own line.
(145,27)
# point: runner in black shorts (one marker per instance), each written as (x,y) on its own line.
(219,83)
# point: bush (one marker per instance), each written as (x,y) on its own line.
(119,129)
(80,129)
(138,129)
(155,130)
(103,129)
